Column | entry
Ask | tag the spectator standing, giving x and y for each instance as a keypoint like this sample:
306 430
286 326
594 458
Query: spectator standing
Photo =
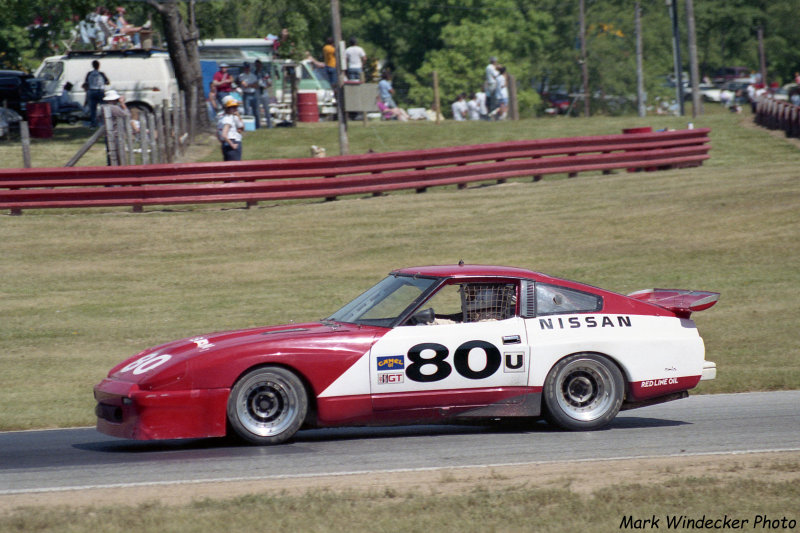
501 95
490 85
248 81
483 110
264 84
229 131
355 57
94 85
329 58
222 82
115 103
213 104
474 107
460 108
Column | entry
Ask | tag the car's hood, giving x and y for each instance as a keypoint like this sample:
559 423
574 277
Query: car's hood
222 349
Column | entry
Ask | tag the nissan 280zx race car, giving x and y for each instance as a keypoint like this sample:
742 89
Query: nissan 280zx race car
426 344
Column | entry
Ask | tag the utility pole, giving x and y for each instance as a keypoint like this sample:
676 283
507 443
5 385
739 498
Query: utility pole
640 97
694 70
336 22
584 66
676 52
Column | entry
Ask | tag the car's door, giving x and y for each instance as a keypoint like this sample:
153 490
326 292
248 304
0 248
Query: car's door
462 348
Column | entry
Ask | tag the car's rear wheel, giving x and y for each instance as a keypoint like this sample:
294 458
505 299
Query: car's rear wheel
583 392
267 405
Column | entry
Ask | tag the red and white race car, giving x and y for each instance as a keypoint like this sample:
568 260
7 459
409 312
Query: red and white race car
426 344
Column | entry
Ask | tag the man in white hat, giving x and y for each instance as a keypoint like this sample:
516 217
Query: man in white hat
114 105
229 131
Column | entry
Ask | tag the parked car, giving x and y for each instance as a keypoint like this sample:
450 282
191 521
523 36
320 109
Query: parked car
556 103
725 74
17 88
727 91
785 92
425 344
145 78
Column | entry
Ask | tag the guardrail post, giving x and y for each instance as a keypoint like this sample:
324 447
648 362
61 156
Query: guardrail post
376 173
572 174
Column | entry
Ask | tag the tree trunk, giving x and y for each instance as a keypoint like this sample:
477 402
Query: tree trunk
182 45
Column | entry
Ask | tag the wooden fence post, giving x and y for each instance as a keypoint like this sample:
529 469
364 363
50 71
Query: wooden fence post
152 136
165 118
111 146
512 97
25 137
176 125
161 138
144 138
126 139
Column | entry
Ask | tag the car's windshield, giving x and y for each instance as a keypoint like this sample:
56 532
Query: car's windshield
386 302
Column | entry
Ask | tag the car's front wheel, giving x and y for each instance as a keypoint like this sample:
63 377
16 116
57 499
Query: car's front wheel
583 392
267 405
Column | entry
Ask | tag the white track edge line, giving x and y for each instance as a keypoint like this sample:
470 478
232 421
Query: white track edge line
8 492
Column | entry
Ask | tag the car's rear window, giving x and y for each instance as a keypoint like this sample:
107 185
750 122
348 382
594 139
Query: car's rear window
554 300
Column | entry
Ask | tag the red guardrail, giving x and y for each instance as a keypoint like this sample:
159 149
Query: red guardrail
283 179
778 115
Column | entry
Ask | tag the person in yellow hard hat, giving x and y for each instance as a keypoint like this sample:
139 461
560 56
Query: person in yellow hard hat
229 131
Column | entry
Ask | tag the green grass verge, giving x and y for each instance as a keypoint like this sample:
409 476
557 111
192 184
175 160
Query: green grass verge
83 289
482 509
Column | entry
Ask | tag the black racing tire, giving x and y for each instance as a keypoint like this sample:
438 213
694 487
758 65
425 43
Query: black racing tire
267 405
583 392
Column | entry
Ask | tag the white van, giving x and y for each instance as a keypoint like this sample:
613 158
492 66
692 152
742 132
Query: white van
144 77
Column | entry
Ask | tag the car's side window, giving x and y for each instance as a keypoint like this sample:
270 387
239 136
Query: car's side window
553 300
468 302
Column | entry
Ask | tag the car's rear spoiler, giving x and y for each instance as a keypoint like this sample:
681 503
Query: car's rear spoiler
681 302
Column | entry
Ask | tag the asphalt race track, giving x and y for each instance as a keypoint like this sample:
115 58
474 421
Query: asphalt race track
54 460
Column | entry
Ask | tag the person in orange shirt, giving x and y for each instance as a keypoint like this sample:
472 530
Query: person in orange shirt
329 58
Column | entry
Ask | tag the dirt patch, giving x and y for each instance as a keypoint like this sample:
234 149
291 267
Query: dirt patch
578 476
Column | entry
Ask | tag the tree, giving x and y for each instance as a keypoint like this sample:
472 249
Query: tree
181 39
33 29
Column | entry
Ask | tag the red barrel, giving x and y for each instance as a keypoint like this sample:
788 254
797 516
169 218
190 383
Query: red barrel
40 122
307 110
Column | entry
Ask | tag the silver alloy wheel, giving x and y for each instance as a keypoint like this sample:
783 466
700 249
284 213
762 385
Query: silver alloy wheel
267 405
585 389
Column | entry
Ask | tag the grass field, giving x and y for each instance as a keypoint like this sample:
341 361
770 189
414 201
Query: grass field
83 289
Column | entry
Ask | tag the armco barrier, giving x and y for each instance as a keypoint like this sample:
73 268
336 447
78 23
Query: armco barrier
284 179
778 115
